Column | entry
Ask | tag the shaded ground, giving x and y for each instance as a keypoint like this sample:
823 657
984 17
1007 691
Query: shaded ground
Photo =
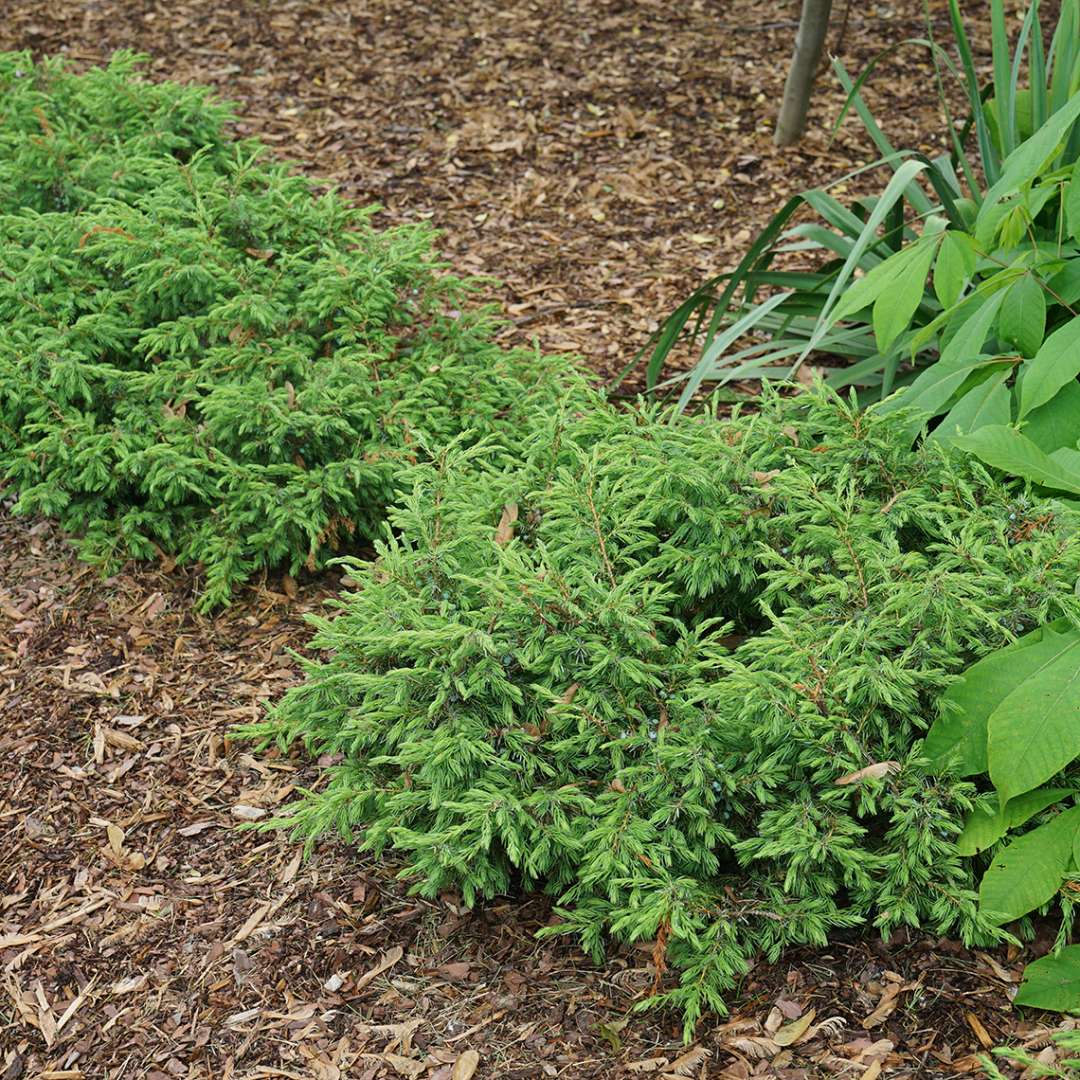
600 158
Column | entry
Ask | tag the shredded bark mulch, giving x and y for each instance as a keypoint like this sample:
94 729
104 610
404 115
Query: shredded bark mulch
600 158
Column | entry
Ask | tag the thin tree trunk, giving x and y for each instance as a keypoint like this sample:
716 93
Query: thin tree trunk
809 45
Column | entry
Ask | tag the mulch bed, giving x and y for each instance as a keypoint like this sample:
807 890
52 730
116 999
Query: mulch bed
600 158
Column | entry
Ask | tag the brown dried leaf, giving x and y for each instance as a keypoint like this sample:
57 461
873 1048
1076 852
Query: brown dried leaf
505 531
403 1066
647 1065
116 839
870 772
466 1066
688 1062
753 1046
791 1033
388 961
886 1006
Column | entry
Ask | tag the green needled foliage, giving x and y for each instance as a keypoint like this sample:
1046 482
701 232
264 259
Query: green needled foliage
677 674
200 356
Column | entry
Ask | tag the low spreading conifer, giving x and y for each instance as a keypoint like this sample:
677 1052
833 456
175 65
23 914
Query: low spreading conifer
677 675
203 358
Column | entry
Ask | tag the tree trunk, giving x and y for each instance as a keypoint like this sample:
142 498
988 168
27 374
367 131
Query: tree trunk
809 45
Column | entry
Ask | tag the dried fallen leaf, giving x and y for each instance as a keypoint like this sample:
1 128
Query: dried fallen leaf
388 961
129 985
886 1006
457 971
251 923
403 1066
829 1028
610 1031
791 1009
505 532
870 772
195 828
116 839
791 1033
647 1065
120 739
688 1062
466 1066
753 1046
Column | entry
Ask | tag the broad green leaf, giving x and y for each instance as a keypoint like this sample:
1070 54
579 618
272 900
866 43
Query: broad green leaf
954 267
958 735
1054 365
1071 200
1066 457
962 357
931 392
1030 157
969 339
894 308
1007 449
872 284
894 190
1066 282
1022 321
1057 423
990 224
982 829
1014 225
1052 982
949 323
1029 871
987 403
1035 731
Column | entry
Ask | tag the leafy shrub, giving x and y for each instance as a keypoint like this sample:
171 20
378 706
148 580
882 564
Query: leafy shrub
960 294
1013 716
201 357
677 674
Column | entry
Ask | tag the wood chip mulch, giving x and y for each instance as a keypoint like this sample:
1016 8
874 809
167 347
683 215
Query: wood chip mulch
600 158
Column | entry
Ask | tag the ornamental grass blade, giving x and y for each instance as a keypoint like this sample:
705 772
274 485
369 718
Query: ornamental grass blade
722 342
1004 96
894 190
